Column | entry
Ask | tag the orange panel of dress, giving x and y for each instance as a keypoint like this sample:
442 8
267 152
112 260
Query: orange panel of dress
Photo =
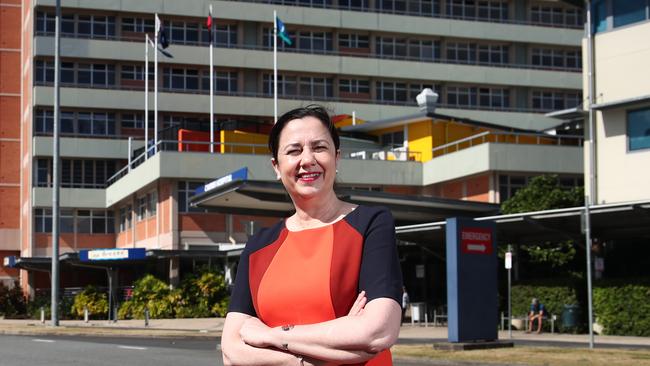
314 275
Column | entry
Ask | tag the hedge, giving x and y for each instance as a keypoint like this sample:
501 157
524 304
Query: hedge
623 308
553 295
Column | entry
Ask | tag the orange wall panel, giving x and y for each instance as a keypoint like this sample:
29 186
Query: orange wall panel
151 227
95 241
452 190
10 110
10 207
10 162
10 72
478 188
10 24
140 230
202 222
44 240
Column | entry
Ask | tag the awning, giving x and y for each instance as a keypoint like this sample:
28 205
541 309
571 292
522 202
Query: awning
270 199
630 220
622 103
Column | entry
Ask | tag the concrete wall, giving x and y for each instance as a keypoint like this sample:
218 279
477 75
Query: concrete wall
621 175
503 158
70 197
90 148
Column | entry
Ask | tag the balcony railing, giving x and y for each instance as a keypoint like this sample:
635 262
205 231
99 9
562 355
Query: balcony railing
507 138
438 60
395 154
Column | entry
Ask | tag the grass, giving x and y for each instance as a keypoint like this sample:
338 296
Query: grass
531 355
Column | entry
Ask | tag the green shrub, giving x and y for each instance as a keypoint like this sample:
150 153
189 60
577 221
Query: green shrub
34 307
623 308
153 294
95 301
203 294
12 301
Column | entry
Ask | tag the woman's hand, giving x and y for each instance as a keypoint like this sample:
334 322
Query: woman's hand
255 333
359 304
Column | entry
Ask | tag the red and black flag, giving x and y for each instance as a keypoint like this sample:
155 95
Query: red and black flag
208 24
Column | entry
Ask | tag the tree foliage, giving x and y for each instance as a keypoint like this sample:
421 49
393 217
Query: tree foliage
545 193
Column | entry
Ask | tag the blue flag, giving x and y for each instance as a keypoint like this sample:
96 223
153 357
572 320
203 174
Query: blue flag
282 31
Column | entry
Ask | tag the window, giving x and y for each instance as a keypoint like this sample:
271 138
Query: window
391 47
267 39
43 121
628 12
413 7
303 86
180 79
102 222
493 54
185 192
45 22
510 184
66 220
138 25
43 220
225 35
554 100
224 81
75 173
95 26
354 41
84 221
556 58
44 71
141 208
638 129
182 32
388 91
461 52
353 4
555 15
132 120
354 86
134 72
392 139
152 203
599 11
461 96
125 218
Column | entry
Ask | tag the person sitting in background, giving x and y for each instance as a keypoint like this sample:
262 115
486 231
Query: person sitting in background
536 312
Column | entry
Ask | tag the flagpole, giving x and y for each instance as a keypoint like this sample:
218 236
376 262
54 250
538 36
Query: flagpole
211 88
275 66
146 96
155 87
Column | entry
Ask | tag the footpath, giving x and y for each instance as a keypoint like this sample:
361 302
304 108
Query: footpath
210 328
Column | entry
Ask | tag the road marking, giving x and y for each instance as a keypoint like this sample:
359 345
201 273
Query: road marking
132 347
44 340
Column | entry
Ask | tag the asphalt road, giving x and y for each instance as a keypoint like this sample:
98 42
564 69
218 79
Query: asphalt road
88 351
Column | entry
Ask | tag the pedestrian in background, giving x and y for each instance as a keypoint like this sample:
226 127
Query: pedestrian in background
324 285
406 301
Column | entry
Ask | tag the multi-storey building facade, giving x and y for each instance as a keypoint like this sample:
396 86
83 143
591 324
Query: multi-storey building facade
501 62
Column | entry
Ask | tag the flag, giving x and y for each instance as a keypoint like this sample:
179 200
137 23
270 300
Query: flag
282 31
162 37
208 24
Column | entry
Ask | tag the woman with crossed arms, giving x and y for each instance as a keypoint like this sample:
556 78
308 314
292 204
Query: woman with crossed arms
323 286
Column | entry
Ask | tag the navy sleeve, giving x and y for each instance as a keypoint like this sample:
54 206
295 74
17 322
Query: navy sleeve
380 274
241 300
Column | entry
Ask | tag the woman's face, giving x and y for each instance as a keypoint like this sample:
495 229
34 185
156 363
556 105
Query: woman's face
307 158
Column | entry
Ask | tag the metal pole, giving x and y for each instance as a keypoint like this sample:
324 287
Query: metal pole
55 167
146 96
211 89
275 67
590 199
129 149
155 87
510 303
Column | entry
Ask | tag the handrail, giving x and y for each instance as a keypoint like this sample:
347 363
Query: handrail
516 135
300 97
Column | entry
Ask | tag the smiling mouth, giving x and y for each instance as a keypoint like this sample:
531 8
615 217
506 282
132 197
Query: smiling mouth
309 177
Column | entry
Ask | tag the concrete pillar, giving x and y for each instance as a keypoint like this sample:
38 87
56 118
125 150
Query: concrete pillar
174 272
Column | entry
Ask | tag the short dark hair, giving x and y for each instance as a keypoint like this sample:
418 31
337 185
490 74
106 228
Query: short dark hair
312 110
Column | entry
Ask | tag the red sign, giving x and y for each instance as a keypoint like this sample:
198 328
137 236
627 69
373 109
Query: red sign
476 240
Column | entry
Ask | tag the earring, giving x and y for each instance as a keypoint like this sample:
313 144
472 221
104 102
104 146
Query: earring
278 177
337 171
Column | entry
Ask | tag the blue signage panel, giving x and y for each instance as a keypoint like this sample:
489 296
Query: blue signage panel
9 261
472 303
112 254
241 174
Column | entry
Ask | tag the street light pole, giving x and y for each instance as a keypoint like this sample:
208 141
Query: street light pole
54 305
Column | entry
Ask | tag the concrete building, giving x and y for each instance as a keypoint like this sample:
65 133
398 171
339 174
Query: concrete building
501 62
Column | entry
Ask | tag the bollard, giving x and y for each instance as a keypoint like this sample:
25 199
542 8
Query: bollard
146 317
42 315
115 314
85 314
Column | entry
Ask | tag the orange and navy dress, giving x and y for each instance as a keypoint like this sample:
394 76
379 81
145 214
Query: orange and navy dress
314 275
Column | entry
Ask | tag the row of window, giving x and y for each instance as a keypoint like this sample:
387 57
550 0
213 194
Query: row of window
510 184
75 173
75 221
